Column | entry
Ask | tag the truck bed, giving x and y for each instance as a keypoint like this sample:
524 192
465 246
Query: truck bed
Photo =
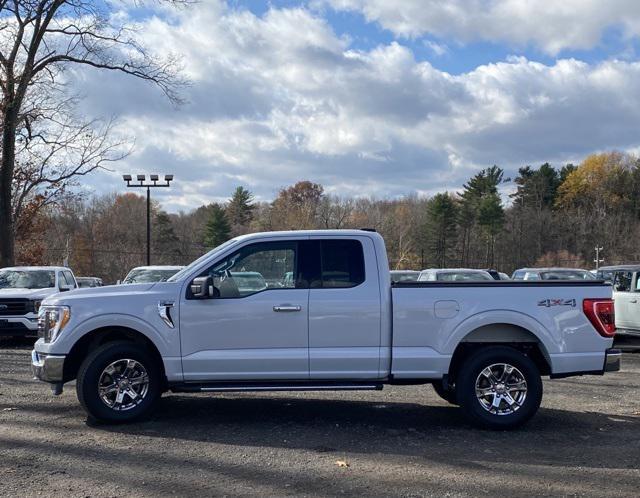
431 319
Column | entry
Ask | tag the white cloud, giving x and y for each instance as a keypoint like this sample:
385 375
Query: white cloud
280 98
550 25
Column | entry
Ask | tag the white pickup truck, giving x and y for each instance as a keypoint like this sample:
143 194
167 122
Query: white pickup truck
328 318
22 289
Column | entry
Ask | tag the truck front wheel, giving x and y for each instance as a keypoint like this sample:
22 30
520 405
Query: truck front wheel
499 388
118 382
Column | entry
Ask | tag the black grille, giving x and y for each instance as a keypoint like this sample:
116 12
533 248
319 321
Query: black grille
15 329
15 307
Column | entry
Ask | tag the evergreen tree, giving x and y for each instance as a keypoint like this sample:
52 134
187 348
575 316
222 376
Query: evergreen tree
441 227
491 221
166 244
217 229
479 201
240 208
536 188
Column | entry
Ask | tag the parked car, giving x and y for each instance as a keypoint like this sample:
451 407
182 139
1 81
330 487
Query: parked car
22 289
497 275
626 294
552 274
404 276
484 345
247 282
454 275
606 273
84 282
150 274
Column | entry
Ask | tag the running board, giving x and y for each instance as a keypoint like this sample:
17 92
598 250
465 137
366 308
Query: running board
189 387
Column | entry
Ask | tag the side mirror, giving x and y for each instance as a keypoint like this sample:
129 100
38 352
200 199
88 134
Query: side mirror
203 288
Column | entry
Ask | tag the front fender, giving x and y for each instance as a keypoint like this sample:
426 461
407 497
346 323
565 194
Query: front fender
165 339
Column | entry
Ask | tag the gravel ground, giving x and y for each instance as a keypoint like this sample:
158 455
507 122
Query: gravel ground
402 441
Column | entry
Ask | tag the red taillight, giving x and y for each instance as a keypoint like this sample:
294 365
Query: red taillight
601 315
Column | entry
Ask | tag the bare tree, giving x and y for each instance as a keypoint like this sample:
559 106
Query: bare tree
38 40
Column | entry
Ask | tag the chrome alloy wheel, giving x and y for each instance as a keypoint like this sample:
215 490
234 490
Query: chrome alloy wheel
501 389
123 384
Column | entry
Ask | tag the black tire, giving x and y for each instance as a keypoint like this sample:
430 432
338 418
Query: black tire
449 395
93 368
473 370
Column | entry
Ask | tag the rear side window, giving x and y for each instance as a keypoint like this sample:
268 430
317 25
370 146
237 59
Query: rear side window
335 264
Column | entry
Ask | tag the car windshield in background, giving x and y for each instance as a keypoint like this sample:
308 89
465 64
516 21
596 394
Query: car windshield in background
404 276
566 275
22 279
249 281
463 276
147 276
86 282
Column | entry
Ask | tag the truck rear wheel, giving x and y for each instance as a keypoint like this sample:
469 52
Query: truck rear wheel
118 382
499 388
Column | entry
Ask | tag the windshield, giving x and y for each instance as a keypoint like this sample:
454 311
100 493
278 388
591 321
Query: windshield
27 279
187 269
606 275
567 275
86 282
463 276
148 275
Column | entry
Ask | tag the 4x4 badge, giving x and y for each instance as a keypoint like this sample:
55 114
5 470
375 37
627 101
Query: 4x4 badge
557 302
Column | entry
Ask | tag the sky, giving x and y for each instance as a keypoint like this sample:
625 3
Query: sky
371 97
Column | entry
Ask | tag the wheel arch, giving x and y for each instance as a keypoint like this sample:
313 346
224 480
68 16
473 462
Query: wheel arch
501 334
103 335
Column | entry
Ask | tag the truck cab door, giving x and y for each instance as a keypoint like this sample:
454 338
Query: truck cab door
257 328
344 309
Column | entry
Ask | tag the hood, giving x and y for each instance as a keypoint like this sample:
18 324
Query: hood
28 293
106 291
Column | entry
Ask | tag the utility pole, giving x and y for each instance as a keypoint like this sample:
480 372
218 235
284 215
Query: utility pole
597 261
141 184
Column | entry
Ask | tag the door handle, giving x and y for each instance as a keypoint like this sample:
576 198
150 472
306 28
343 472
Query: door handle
633 301
287 308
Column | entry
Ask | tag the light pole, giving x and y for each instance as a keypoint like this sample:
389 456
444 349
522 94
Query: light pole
598 260
153 182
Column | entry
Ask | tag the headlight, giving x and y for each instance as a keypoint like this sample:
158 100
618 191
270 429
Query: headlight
51 321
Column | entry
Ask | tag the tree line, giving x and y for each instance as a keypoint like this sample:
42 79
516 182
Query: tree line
544 216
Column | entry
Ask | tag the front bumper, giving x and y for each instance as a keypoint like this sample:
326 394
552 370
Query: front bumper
612 360
19 326
48 368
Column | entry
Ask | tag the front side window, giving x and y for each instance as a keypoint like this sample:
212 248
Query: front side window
255 268
622 281
69 278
